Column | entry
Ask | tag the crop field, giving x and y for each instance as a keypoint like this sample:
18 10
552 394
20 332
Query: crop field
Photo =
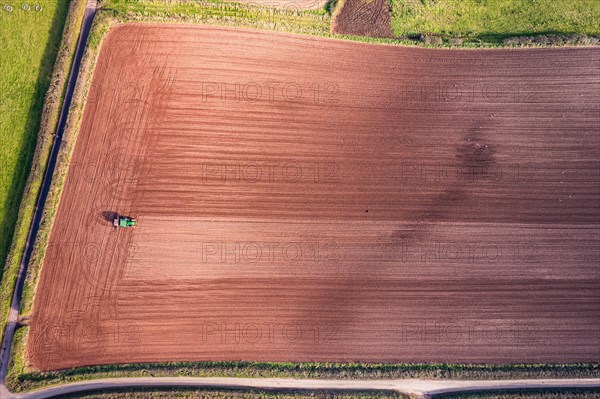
309 199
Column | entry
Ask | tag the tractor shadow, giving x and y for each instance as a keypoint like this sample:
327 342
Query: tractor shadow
109 216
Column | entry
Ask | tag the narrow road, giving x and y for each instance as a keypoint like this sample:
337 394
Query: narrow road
15 304
416 388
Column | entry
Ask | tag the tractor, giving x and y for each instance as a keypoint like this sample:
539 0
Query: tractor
124 221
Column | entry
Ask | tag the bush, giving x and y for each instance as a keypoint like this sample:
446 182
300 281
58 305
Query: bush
436 40
553 40
430 39
456 41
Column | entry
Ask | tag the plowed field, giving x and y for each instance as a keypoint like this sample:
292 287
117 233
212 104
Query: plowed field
307 199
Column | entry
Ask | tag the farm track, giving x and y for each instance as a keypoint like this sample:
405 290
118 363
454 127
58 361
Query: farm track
305 199
415 388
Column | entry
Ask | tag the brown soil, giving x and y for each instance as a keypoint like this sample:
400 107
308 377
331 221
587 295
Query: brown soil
364 18
306 199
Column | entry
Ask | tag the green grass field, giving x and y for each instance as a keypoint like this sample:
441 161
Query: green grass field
30 42
492 20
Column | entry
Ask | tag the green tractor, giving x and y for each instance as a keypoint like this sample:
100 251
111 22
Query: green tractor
124 221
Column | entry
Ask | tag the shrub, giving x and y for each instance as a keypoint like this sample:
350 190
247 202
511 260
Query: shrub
431 39
456 41
552 40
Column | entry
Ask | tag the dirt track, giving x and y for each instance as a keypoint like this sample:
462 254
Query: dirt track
308 199
415 388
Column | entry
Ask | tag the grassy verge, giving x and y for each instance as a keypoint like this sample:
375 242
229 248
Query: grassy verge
308 22
27 380
529 394
187 393
33 74
215 394
220 13
491 21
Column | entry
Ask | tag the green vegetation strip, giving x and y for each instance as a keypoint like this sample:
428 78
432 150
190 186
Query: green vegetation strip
528 394
252 394
27 380
22 378
493 20
221 13
186 393
191 393
33 73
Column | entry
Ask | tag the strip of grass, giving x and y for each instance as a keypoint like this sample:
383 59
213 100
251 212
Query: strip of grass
184 393
583 393
190 393
23 379
222 13
317 23
493 20
33 71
